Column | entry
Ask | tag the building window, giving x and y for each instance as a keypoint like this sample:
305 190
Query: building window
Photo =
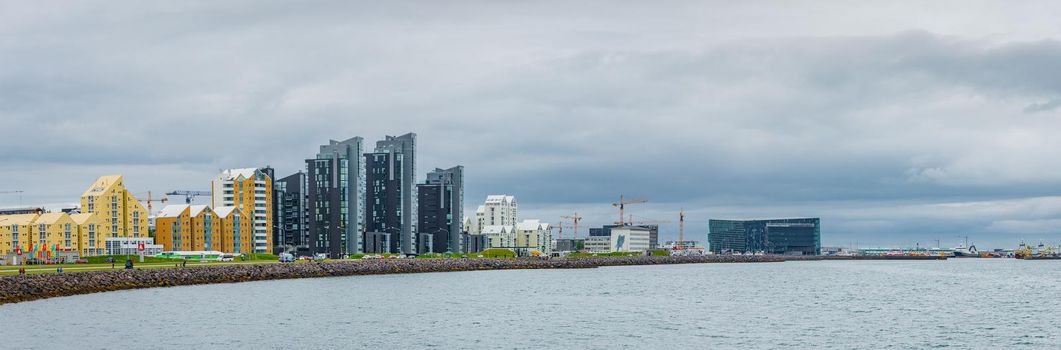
66 236
42 230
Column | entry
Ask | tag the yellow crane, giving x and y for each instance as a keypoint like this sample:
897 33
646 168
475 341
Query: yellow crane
622 206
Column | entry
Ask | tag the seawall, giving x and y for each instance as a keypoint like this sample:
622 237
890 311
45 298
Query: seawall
15 289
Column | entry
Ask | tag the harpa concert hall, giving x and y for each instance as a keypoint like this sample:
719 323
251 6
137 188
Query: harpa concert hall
776 236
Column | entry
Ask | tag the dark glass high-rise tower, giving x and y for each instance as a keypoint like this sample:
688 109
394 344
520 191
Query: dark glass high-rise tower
441 210
335 183
290 226
390 196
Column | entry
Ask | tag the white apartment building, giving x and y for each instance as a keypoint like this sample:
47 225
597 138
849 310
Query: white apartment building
498 210
524 238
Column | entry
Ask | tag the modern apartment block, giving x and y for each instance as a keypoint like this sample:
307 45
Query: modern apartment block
291 226
526 238
800 236
124 216
390 198
173 228
182 227
90 238
497 210
335 196
441 208
234 230
249 190
44 235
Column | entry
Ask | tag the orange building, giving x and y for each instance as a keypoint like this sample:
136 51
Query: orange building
234 230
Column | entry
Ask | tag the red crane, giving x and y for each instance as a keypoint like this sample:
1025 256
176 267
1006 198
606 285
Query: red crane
575 218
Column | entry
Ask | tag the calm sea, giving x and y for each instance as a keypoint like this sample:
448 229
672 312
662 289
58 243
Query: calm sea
959 304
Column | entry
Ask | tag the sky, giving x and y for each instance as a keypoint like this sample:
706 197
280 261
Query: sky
896 123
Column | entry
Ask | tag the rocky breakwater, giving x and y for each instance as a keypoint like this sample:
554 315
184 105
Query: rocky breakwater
32 287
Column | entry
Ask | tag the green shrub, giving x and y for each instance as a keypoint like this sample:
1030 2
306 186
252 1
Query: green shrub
498 253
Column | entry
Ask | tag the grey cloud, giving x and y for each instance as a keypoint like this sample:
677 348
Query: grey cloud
554 102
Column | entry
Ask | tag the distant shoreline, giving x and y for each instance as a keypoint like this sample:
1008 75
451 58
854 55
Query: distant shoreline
15 289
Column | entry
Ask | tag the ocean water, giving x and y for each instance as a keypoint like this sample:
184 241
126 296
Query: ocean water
954 304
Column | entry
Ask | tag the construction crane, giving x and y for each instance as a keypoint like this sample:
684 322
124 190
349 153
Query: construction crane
151 200
188 195
681 229
622 206
561 226
575 218
19 192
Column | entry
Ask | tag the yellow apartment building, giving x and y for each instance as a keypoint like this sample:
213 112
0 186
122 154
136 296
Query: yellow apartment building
173 228
234 230
15 231
54 230
122 214
90 239
204 227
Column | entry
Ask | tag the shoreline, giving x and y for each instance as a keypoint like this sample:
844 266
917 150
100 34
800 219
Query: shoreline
14 289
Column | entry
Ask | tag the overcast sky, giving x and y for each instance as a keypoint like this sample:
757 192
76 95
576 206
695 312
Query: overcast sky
895 122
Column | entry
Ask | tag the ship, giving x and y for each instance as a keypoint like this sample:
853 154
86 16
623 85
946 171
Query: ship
965 250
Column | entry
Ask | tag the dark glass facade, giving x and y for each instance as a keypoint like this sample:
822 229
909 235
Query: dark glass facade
334 198
441 206
778 236
291 228
383 198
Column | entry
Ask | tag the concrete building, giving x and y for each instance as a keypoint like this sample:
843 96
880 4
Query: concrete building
801 236
390 198
377 242
123 214
653 231
441 210
335 199
630 239
497 210
598 244
90 238
131 246
473 243
249 190
291 226
569 244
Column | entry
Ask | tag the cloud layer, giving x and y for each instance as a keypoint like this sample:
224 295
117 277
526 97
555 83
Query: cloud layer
893 122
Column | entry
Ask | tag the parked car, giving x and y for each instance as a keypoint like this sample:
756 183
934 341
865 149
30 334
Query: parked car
81 261
287 257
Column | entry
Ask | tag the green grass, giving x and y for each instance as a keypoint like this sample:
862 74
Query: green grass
259 257
494 253
575 255
120 259
660 252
